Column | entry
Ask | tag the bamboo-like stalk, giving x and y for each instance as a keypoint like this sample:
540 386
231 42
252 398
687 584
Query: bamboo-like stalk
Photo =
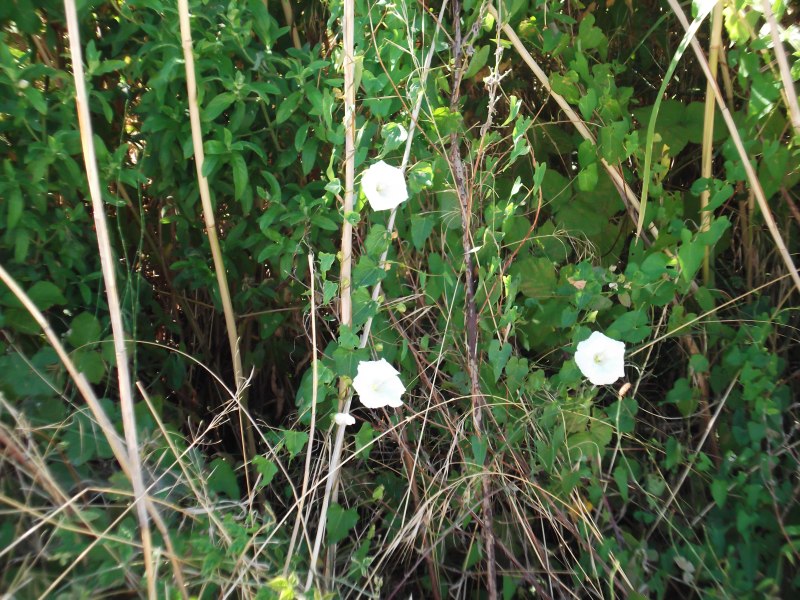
783 66
626 193
213 240
752 176
288 15
109 279
309 450
708 130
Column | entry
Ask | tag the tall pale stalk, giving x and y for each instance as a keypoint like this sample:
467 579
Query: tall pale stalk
211 230
110 281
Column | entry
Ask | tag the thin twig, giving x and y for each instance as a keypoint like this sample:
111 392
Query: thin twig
109 278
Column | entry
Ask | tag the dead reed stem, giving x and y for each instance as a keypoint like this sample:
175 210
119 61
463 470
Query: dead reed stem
626 193
110 281
245 428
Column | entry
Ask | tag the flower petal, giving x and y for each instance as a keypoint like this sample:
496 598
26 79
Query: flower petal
384 186
601 359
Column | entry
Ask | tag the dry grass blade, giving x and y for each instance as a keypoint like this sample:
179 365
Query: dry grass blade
109 278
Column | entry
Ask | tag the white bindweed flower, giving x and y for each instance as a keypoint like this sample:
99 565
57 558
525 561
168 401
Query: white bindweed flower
384 186
378 385
344 419
601 359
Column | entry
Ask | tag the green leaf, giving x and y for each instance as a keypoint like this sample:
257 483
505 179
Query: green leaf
240 176
84 329
287 107
266 468
364 439
421 228
216 107
719 491
393 135
295 441
621 477
479 449
630 327
16 204
340 522
587 178
325 262
45 294
588 103
589 35
498 357
478 61
222 479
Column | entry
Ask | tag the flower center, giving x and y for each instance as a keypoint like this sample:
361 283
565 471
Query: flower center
379 188
599 358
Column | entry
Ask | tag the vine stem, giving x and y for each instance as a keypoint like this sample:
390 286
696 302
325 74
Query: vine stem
347 393
245 428
112 294
465 199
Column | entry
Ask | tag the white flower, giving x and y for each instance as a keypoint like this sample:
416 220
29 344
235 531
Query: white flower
344 419
601 359
384 186
378 385
23 84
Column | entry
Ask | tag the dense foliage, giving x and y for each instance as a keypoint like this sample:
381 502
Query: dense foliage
679 481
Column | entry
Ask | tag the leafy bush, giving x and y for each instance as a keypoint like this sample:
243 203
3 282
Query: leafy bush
506 472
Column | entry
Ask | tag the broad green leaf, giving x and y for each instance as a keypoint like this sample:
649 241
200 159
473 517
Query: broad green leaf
240 177
266 468
218 105
478 61
45 294
498 357
340 522
295 441
84 329
222 479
